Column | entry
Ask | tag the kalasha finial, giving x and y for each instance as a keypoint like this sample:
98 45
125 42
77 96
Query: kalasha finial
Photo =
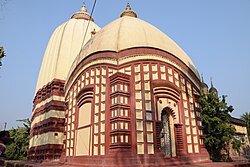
128 12
83 9
128 8
82 14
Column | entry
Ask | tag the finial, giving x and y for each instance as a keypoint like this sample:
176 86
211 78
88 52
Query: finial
83 8
213 89
128 8
128 12
82 14
204 87
202 80
211 82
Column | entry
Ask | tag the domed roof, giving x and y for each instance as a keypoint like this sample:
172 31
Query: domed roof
203 84
130 32
63 47
213 89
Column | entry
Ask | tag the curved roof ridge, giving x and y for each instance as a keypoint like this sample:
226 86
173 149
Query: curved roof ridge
60 52
125 30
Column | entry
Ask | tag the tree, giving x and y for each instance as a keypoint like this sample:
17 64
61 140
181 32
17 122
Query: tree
18 147
237 143
216 122
246 117
26 123
2 54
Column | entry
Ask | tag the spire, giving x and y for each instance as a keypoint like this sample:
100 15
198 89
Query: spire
82 14
202 80
128 12
212 86
213 89
204 87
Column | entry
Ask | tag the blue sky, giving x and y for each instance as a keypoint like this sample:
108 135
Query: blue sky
215 34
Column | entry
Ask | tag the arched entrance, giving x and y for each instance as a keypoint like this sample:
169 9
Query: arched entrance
167 133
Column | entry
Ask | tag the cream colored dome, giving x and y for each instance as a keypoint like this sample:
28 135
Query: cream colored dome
63 47
131 32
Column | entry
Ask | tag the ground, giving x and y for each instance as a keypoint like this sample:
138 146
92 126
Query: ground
212 164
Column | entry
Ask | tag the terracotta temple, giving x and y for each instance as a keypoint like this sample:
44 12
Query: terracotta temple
122 95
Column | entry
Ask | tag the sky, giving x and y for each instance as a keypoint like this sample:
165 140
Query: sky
215 34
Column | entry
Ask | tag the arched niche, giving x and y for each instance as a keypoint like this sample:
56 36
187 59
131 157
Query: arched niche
167 135
167 95
84 125
166 99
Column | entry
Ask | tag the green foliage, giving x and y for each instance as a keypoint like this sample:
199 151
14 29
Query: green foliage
216 121
18 147
2 54
26 123
246 117
237 143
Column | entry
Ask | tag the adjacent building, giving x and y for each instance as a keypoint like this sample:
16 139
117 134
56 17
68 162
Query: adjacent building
240 131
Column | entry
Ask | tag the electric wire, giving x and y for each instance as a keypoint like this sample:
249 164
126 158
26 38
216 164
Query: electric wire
80 137
92 10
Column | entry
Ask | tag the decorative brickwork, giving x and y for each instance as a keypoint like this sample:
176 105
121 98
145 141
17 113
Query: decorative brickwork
120 132
44 124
